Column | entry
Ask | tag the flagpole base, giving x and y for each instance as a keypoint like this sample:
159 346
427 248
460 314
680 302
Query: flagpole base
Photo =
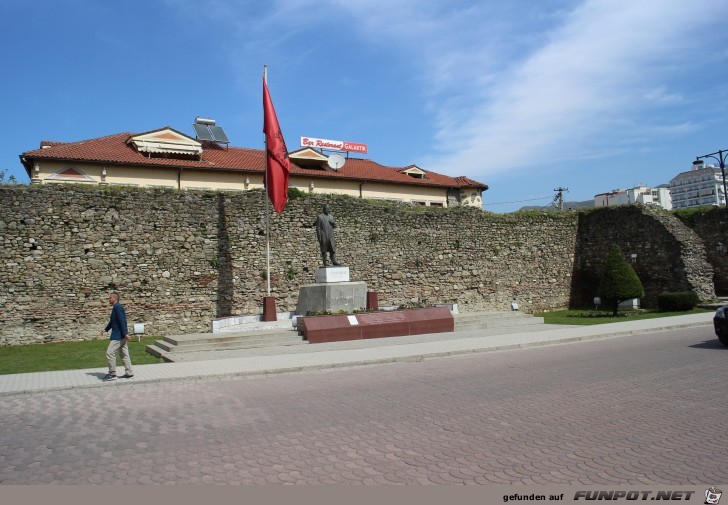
372 300
269 308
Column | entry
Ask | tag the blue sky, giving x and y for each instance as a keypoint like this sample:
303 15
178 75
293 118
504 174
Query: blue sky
524 96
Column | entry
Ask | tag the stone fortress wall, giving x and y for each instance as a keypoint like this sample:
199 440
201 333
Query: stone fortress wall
182 259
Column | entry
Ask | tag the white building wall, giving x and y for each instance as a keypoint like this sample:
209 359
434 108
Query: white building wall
644 195
662 197
697 187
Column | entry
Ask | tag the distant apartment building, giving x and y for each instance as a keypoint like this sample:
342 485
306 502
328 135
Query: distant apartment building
702 185
639 194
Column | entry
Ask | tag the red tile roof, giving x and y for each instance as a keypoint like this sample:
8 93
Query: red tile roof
114 149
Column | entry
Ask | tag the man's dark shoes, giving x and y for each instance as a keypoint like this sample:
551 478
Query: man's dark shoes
127 376
109 377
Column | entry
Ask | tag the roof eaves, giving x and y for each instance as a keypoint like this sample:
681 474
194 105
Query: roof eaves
131 136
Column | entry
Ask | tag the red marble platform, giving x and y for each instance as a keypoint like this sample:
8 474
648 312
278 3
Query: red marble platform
396 323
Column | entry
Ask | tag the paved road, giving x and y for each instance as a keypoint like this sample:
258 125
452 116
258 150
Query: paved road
637 409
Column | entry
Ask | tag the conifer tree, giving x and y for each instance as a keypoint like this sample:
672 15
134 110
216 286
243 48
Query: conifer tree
619 281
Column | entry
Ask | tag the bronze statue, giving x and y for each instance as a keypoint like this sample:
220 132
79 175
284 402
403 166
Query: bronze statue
325 225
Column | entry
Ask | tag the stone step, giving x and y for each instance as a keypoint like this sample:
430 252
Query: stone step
196 338
519 322
252 341
287 323
510 315
357 344
171 356
250 323
280 333
198 342
284 324
506 330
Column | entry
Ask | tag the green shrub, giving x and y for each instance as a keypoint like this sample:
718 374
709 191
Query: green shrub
619 281
294 193
677 302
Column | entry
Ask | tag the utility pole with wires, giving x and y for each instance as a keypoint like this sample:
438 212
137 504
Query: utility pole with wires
559 198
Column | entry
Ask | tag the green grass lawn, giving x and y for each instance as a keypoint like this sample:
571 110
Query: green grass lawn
586 316
69 356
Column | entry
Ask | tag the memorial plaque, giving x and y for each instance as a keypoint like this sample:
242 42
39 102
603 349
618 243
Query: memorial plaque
332 274
390 316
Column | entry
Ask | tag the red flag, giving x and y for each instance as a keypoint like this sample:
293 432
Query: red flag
277 165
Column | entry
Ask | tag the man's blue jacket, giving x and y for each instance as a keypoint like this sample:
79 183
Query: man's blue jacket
117 323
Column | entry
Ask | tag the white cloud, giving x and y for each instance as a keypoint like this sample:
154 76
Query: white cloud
594 70
517 84
513 85
661 95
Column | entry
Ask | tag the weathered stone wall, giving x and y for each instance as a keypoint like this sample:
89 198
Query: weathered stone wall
407 254
711 225
64 249
670 256
182 259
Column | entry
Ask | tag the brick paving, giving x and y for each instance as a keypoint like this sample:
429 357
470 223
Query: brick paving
640 409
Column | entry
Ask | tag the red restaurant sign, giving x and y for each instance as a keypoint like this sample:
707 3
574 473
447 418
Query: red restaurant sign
333 144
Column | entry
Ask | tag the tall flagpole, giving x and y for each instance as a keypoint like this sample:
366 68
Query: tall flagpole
267 203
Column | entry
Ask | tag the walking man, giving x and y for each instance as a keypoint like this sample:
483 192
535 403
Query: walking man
119 340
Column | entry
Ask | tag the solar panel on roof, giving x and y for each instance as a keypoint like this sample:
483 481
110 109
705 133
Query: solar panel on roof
219 135
203 132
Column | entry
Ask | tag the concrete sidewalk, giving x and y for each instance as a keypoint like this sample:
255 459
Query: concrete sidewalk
286 359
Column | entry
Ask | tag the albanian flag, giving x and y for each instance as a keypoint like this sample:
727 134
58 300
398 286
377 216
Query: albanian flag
277 165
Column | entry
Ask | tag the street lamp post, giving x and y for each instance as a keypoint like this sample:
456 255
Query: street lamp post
721 159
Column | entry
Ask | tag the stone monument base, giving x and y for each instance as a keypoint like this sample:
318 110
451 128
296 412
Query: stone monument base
376 325
333 297
332 274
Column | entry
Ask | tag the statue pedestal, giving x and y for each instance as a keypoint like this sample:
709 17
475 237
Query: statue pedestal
332 274
332 296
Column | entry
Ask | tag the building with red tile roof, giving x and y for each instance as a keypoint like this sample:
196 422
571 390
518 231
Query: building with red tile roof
169 158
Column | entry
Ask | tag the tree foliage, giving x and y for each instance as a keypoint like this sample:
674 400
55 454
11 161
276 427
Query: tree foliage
619 281
8 180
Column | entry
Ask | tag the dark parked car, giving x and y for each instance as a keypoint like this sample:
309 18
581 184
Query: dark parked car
721 324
